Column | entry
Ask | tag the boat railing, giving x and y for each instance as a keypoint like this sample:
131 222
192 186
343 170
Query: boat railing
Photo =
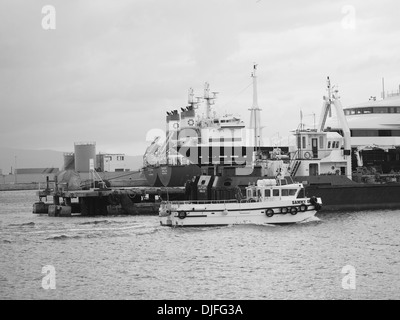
200 201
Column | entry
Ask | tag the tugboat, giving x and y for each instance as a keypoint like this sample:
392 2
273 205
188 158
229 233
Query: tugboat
270 201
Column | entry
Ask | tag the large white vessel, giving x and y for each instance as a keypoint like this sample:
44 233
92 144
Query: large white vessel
269 202
375 132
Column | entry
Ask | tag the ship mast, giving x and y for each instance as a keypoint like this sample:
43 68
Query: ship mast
190 97
255 112
209 100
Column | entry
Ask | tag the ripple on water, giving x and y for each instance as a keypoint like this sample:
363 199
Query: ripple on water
134 257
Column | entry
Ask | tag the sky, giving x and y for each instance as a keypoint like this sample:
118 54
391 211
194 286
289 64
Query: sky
107 71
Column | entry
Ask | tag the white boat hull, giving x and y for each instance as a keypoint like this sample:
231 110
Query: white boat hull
186 214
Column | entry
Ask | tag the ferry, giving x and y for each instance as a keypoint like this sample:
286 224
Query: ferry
270 201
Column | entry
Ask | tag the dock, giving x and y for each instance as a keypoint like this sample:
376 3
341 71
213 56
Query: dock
102 200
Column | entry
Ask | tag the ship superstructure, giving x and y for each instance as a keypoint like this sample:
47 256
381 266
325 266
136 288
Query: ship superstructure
198 139
375 133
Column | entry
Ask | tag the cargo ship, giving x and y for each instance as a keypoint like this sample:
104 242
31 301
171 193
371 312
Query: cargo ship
197 140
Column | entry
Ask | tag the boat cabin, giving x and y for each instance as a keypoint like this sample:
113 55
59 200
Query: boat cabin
274 189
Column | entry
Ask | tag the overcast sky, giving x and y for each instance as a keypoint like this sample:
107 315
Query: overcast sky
110 69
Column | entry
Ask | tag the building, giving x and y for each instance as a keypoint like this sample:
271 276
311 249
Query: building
110 162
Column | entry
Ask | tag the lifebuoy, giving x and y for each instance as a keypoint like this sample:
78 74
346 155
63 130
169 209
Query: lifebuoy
190 122
307 155
182 215
284 210
315 203
176 125
303 208
293 211
269 213
313 200
132 195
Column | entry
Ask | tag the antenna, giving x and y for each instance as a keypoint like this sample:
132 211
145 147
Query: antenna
209 100
383 88
190 96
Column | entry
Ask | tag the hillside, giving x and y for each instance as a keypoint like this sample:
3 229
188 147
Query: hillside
45 159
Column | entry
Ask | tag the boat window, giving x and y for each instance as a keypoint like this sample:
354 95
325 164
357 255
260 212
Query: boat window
254 193
267 193
368 110
301 194
292 192
321 142
304 142
329 144
285 192
275 192
259 193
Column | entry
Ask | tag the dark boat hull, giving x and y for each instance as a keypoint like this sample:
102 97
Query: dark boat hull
357 197
177 176
152 176
337 192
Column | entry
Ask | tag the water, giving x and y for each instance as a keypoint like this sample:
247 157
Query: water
133 257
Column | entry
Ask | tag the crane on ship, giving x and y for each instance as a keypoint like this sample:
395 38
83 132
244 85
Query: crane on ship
333 98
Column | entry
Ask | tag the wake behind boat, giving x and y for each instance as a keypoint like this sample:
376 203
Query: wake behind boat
271 201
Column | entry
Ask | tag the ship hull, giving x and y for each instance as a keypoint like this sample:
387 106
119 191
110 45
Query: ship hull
152 176
211 213
337 192
357 197
177 176
341 193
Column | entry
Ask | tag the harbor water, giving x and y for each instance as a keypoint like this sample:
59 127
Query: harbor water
342 255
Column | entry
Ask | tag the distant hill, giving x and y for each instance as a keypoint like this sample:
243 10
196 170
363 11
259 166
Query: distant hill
45 159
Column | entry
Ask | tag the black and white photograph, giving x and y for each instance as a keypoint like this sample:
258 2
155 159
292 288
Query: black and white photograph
199 155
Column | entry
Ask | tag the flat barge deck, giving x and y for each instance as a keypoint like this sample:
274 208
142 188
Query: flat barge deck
104 201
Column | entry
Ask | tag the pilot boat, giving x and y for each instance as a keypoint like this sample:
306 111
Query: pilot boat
269 201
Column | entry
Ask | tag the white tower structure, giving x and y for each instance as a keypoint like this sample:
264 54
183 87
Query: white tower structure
255 116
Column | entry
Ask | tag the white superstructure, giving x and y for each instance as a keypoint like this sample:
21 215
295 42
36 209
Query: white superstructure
199 126
373 123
